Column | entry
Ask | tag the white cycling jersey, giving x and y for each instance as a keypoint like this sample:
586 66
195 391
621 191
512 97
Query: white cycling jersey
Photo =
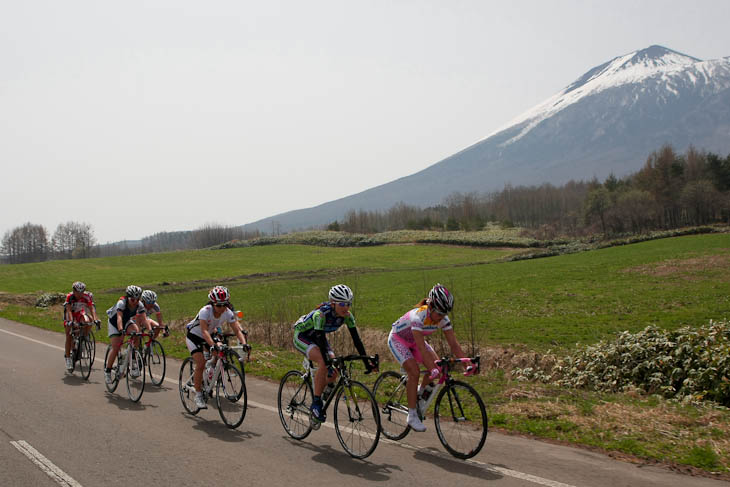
418 319
206 313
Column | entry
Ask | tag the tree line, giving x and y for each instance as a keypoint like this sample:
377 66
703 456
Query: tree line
671 190
73 240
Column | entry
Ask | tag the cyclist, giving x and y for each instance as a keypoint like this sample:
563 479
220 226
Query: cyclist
408 346
78 303
149 301
127 315
199 339
310 339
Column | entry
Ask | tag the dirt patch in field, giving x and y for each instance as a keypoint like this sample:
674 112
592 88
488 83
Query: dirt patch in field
17 299
688 269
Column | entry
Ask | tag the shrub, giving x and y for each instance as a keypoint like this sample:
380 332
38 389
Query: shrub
688 363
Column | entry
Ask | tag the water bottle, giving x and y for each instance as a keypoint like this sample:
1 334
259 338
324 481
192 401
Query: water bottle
327 391
427 391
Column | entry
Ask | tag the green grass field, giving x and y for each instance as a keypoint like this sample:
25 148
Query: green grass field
540 303
530 305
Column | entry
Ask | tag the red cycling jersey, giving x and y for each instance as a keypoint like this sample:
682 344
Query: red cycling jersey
79 306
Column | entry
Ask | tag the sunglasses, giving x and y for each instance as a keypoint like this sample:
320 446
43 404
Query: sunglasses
219 305
344 304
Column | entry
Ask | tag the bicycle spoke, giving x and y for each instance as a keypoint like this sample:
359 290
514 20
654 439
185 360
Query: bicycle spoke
185 386
231 396
461 420
294 400
390 393
356 420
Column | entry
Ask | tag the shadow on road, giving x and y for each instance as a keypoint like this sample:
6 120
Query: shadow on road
345 464
75 380
454 465
123 402
153 389
216 429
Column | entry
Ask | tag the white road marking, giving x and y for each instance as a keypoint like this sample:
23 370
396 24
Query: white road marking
58 475
492 468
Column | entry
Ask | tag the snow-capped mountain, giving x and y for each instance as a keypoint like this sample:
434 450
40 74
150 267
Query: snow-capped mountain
607 121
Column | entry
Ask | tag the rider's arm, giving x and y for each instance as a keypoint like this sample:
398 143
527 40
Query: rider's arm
206 334
454 343
236 327
421 344
120 317
66 312
158 315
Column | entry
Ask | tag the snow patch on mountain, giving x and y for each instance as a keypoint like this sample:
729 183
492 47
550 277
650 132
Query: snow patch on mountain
674 70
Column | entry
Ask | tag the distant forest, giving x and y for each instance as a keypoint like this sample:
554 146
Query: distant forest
672 190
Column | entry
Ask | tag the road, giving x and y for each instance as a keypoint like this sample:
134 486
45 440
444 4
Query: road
56 429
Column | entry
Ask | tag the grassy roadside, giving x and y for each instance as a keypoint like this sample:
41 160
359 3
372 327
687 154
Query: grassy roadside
518 309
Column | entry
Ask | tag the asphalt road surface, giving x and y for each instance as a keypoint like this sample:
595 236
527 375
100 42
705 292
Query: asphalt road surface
57 429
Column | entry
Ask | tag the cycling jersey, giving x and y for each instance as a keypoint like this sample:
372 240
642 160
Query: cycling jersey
310 330
206 313
127 312
79 305
322 318
418 319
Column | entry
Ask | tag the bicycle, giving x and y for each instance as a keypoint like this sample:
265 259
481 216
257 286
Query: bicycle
356 417
154 356
80 351
129 364
459 414
228 381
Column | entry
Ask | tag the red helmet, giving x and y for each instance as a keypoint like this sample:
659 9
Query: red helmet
219 294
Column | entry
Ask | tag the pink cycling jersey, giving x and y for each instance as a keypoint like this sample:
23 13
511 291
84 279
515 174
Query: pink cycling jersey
418 319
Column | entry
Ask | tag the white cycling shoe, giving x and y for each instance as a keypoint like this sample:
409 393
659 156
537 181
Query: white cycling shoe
415 423
69 363
199 403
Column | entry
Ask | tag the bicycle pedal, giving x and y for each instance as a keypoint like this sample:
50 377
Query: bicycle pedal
315 424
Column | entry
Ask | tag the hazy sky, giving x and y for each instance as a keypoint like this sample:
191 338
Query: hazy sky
139 117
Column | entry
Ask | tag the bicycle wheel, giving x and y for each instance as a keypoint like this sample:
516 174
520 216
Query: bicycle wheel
156 363
74 355
231 396
92 341
390 392
135 374
84 356
357 421
461 420
294 400
185 384
114 372
234 359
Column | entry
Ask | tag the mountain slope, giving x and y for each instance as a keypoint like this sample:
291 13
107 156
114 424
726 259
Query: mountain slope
607 121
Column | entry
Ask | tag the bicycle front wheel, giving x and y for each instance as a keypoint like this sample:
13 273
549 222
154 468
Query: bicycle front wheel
85 359
135 374
461 420
186 386
231 396
156 363
92 342
357 421
114 371
294 401
390 392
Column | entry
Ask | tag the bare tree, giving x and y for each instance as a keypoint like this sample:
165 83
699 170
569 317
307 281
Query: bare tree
27 243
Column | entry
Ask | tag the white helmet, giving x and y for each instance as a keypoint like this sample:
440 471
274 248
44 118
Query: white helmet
341 294
79 286
441 299
149 297
133 291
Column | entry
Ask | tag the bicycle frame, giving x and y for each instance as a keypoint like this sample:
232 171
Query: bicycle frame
445 365
340 364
